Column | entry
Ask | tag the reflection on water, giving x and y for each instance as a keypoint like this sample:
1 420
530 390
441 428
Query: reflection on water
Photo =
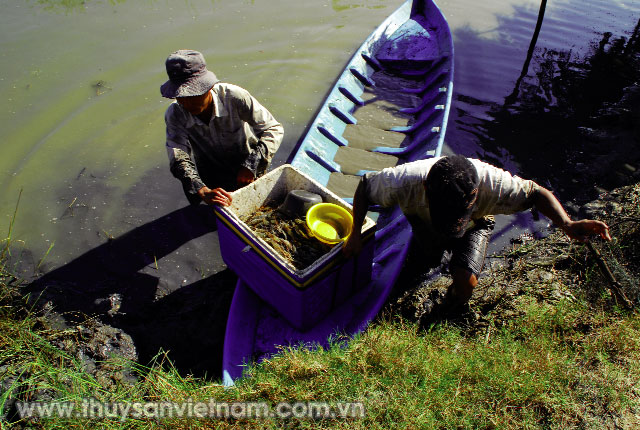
547 124
532 46
490 60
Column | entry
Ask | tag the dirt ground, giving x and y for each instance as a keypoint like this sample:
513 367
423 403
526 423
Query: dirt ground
549 269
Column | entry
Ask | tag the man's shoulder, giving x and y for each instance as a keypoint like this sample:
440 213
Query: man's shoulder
225 89
482 166
407 176
174 113
414 170
419 169
492 176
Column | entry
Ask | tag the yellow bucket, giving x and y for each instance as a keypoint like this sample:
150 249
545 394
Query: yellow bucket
329 222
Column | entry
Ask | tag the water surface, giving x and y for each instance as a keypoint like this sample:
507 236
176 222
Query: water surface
82 131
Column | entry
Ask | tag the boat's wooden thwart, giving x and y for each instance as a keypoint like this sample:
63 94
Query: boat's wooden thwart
389 106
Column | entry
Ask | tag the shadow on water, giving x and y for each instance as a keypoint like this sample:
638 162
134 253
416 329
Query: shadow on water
107 281
566 124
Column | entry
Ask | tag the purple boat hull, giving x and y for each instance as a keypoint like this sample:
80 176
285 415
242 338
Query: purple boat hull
302 296
413 45
256 330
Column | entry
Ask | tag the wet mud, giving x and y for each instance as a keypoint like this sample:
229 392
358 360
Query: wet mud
546 270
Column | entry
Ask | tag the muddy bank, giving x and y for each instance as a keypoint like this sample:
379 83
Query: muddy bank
547 270
189 323
154 284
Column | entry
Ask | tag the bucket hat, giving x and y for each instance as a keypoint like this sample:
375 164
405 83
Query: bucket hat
188 75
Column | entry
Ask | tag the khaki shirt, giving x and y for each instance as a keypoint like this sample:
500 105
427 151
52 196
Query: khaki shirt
499 192
240 128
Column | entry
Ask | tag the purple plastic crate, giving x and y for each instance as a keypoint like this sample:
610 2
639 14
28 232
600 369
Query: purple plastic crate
302 297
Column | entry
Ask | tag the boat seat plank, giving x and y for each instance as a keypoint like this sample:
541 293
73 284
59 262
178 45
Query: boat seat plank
381 114
366 137
353 160
392 81
395 97
343 185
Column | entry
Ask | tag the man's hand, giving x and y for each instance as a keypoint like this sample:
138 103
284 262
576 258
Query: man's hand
245 176
582 230
217 196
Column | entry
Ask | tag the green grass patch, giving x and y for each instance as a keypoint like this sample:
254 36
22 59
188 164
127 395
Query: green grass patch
525 375
556 366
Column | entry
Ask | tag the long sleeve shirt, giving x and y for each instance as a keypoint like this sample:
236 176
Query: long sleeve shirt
241 132
499 192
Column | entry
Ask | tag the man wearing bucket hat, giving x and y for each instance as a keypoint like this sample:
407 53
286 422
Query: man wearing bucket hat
449 202
219 137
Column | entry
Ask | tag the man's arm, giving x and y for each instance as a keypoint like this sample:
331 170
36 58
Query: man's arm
215 196
582 230
503 193
183 167
250 167
269 131
360 207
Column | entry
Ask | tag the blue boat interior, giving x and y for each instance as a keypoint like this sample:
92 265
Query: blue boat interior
389 106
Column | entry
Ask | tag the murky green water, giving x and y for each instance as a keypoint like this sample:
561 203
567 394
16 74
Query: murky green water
81 126
82 123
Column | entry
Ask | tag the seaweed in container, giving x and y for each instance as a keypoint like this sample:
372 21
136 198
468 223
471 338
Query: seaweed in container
288 236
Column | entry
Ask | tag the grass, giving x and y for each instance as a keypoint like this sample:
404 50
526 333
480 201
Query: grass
5 252
538 371
545 369
572 362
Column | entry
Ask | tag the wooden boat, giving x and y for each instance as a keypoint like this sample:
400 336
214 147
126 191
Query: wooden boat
389 106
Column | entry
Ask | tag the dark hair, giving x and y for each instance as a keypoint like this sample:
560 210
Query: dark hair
451 186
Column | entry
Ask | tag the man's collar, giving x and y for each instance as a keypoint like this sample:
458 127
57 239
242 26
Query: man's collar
218 107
